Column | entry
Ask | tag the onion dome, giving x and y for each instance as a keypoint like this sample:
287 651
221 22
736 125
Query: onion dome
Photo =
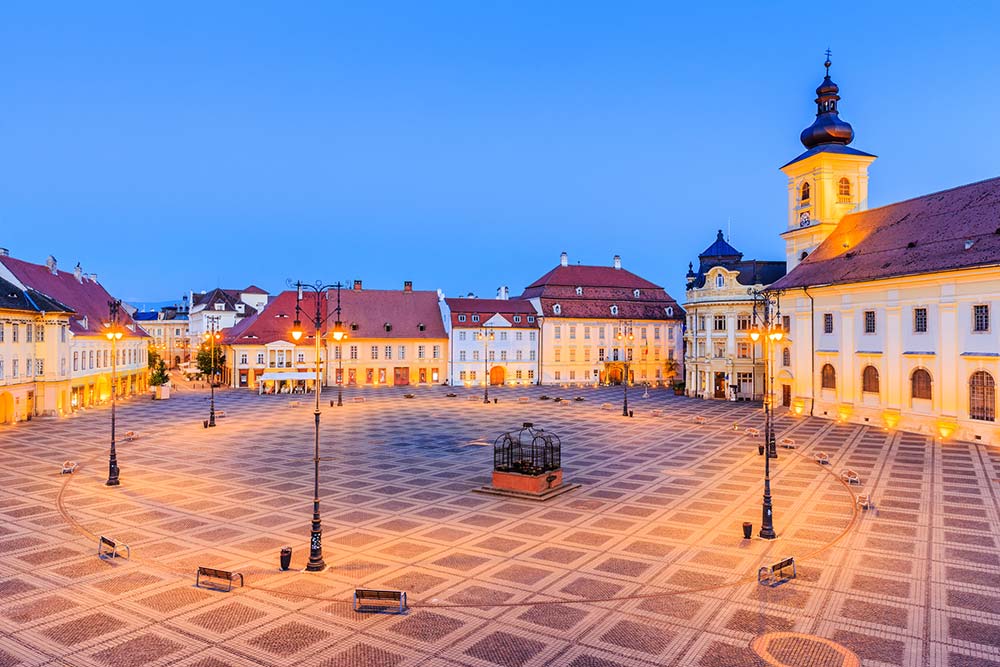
828 128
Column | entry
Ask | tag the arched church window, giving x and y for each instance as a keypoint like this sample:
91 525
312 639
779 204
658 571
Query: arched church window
804 192
844 188
720 280
803 255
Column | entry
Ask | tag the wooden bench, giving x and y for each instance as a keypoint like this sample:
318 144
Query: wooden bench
110 546
473 398
753 432
220 414
822 458
777 573
864 501
68 468
359 399
657 413
213 573
606 406
130 436
294 404
373 594
788 443
850 476
699 420
522 399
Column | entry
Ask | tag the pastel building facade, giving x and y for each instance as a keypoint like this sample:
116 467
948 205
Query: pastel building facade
169 333
393 338
70 356
604 324
721 361
221 309
492 341
891 311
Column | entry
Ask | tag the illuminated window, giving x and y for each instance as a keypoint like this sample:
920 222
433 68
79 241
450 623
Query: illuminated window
353 352
786 357
743 322
828 323
844 188
982 396
920 320
869 321
869 380
980 319
804 192
920 384
720 280
829 377
719 323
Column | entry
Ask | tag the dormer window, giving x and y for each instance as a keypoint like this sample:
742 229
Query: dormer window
579 291
461 318
720 281
517 319
636 293
354 326
556 309
475 318
240 308
804 192
220 306
670 311
614 310
387 326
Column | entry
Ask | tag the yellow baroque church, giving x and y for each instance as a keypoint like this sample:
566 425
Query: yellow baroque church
890 311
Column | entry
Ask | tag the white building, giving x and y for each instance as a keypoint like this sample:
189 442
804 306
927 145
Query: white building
492 340
891 310
223 308
721 361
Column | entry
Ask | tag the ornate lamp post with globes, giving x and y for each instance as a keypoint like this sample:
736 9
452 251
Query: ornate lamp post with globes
114 334
213 335
767 325
316 562
625 334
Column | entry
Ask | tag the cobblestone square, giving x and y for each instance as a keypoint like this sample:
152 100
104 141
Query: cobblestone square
643 565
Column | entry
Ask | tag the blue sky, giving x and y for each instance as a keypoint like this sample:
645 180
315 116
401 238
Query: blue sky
459 145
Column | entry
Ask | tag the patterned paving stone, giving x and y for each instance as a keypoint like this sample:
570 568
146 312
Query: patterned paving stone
505 649
289 638
138 651
426 626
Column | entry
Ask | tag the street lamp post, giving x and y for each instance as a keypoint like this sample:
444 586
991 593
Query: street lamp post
114 334
625 333
213 336
486 338
767 324
316 562
339 335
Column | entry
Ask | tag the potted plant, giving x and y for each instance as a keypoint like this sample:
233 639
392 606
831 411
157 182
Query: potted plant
678 389
160 381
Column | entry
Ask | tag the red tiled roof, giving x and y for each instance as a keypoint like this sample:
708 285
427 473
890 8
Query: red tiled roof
253 289
487 308
364 313
634 309
922 235
88 298
591 276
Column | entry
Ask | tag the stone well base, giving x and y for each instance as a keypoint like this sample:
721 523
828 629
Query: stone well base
530 487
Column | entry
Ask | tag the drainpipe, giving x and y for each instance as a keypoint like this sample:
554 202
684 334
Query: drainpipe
812 348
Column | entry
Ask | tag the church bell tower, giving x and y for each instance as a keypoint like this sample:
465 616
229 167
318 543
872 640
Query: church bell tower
827 181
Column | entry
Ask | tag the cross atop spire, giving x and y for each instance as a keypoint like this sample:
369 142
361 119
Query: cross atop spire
827 63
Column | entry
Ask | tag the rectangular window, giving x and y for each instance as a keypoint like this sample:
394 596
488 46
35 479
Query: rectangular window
475 318
374 352
13 333
27 367
503 355
62 334
720 350
743 350
920 320
719 323
656 333
786 323
472 375
572 354
558 375
557 332
531 318
493 355
13 367
353 352
336 354
436 351
260 358
461 376
388 352
28 330
421 351
1 369
572 332
600 354
517 319
461 335
461 318
76 361
586 354
243 358
402 353
531 335
642 333
39 367
828 323
518 335
531 375
586 333
2 327
572 375
742 322
461 355
670 354
531 355
519 355
980 318
869 321
475 355
301 358
518 374
503 335
40 331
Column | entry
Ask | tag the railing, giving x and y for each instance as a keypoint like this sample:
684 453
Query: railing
529 451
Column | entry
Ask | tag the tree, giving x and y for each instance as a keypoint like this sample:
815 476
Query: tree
204 360
153 358
671 368
159 376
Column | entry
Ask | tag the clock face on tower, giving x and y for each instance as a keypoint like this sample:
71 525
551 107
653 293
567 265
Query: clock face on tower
804 220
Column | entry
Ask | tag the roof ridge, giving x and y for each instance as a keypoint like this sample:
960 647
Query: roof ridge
926 196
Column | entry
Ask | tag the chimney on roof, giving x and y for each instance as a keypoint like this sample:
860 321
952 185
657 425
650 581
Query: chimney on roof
503 293
357 285
618 262
4 252
78 273
50 262
564 259
93 277
407 285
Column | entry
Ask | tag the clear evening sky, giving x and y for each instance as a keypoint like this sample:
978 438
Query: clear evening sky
461 145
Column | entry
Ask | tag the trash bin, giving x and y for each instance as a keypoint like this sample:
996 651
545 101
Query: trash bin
631 413
205 424
760 450
747 530
286 557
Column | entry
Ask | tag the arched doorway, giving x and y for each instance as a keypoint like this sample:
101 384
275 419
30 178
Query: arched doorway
497 374
6 408
616 373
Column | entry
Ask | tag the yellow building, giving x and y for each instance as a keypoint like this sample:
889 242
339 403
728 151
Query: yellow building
393 337
890 311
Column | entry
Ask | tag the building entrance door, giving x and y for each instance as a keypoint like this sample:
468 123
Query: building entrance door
401 376
720 385
497 374
786 395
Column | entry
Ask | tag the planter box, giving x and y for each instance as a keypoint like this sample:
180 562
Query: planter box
161 393
534 484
